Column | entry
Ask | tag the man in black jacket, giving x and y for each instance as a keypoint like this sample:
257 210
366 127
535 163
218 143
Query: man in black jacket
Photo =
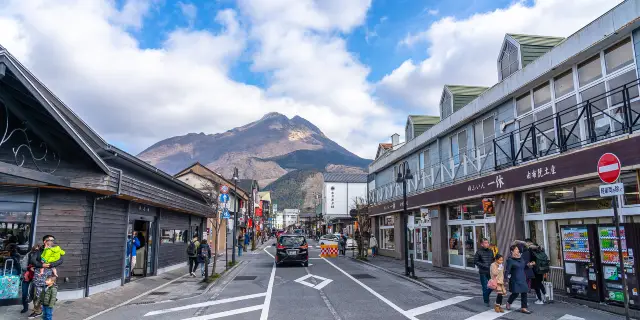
39 278
483 260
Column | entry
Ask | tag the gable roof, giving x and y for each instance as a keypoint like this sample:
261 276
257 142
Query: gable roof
382 148
428 120
465 90
345 177
534 40
200 170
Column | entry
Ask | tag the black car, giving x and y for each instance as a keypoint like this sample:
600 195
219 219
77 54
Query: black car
292 248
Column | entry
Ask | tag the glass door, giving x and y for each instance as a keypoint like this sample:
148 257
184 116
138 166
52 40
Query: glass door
469 245
150 269
418 241
426 243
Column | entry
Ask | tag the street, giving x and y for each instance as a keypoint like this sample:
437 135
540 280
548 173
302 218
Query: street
332 288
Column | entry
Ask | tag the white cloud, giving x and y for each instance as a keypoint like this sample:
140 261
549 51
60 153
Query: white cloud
134 97
189 10
433 12
464 51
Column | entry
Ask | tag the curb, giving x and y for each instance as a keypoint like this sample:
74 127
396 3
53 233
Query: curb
420 283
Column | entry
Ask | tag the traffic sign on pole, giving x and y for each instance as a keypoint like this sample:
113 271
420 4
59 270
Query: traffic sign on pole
609 168
224 189
225 214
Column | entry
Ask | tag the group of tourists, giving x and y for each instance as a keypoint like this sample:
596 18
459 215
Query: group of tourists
199 253
525 269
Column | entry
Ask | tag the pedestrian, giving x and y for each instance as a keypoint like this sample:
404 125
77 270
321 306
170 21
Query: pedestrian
482 260
39 279
27 278
204 255
497 276
240 243
525 248
540 269
517 278
51 255
247 239
343 241
133 245
192 253
373 244
48 298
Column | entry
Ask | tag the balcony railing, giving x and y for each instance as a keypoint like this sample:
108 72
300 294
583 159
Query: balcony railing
582 124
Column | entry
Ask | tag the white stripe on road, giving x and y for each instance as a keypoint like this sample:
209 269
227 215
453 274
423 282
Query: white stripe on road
609 167
436 305
226 313
379 296
265 250
570 317
206 304
267 299
492 314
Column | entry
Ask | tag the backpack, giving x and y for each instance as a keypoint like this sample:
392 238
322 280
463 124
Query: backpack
542 262
191 249
203 251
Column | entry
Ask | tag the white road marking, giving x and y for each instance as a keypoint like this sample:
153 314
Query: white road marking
226 313
570 317
267 299
488 315
436 305
379 296
318 286
265 250
136 297
205 304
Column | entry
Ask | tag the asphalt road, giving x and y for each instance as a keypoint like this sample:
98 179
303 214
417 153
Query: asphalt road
333 288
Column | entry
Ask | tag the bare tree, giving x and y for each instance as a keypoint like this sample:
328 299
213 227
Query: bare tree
361 212
210 193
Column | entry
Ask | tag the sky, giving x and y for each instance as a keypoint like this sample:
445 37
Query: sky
139 71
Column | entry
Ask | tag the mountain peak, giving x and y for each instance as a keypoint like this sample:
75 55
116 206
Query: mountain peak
274 115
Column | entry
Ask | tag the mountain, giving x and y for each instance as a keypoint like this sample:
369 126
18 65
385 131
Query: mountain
281 153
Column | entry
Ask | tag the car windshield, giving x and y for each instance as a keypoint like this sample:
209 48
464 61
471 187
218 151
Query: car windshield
292 241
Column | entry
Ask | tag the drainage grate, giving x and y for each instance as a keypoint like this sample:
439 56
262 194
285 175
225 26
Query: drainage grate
159 293
363 276
245 278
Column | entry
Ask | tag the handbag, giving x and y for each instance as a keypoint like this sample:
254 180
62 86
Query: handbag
492 284
9 283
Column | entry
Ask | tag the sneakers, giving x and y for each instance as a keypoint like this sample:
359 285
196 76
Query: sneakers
539 302
35 315
24 310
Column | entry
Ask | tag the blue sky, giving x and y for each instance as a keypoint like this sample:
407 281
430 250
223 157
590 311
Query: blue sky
140 71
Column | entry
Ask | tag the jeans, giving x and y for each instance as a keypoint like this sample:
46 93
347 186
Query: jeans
484 279
239 251
539 287
47 313
373 251
202 266
193 264
25 295
37 306
523 299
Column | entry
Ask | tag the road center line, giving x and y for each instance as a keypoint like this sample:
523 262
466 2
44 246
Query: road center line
205 304
267 299
436 305
226 313
332 310
379 296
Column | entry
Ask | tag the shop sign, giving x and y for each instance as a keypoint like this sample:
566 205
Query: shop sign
411 223
496 182
541 172
610 190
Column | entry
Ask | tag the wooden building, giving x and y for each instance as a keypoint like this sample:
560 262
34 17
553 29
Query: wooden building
59 177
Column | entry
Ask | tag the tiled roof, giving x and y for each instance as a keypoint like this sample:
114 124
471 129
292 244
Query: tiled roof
345 177
466 90
534 40
386 146
424 119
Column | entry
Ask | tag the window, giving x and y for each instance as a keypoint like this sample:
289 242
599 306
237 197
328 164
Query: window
387 239
458 146
469 210
563 84
173 236
523 104
423 160
446 107
596 96
631 195
582 196
455 246
621 80
589 71
509 61
532 202
541 95
618 56
559 199
568 103
484 132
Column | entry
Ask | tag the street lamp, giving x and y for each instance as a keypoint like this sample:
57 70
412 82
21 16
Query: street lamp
235 214
404 174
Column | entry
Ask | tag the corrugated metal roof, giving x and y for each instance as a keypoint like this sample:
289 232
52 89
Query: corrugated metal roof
345 177
533 40
466 90
424 119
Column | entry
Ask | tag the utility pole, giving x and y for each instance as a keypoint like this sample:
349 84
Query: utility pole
235 215
404 174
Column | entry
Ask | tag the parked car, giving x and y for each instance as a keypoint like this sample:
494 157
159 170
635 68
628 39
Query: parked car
334 239
292 248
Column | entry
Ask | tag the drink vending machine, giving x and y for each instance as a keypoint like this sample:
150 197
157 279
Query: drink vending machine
581 261
613 286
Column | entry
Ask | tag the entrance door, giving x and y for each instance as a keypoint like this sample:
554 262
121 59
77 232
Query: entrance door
128 267
418 241
426 243
469 245
150 261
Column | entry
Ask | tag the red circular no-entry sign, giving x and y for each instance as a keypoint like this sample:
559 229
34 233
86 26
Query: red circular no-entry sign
609 168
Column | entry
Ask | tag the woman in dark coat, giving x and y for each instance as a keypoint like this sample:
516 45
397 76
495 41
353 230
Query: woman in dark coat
517 278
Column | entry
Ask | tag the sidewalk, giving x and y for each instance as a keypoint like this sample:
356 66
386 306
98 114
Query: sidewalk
467 282
172 285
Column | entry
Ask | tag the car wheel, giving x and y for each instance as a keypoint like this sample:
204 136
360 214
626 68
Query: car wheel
306 263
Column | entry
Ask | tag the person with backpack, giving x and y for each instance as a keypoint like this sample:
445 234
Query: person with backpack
204 255
540 269
192 253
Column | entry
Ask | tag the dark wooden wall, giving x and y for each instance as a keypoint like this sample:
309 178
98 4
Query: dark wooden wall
509 223
108 240
172 253
66 215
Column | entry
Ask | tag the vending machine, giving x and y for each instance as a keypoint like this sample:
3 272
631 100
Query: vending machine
613 287
581 261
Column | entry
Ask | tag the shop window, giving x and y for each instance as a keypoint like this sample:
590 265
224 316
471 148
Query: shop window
15 232
173 236
588 197
563 84
541 95
559 199
388 239
589 71
535 232
455 246
584 196
618 56
454 213
523 104
631 195
532 202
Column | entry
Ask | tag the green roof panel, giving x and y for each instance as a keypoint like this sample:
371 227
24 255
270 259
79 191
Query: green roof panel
533 40
428 120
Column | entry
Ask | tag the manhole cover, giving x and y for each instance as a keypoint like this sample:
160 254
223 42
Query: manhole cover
245 278
363 276
158 293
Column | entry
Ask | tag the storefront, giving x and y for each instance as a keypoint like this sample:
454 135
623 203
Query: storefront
423 236
468 223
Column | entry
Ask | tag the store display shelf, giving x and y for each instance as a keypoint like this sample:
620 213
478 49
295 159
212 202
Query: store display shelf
577 260
575 239
611 238
576 250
